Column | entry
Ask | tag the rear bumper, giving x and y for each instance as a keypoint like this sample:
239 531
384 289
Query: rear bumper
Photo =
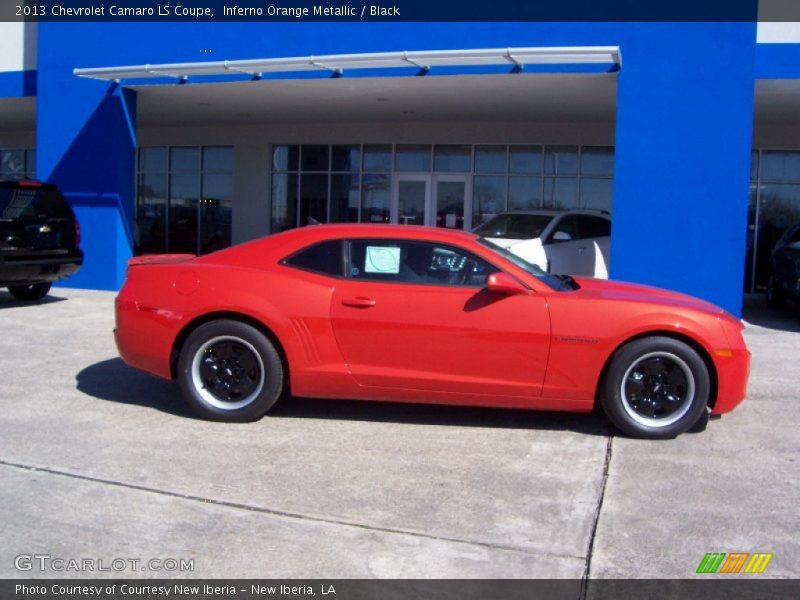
143 338
24 271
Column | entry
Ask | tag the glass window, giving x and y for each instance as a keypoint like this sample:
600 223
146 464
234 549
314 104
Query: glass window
593 227
27 204
313 199
215 212
488 197
30 164
452 159
345 197
284 201
566 230
597 161
793 238
561 160
780 166
524 193
184 159
152 159
184 195
754 165
375 193
184 199
285 158
515 226
411 196
413 157
561 193
150 233
596 193
326 258
418 263
525 159
377 158
346 158
12 163
490 159
314 158
218 158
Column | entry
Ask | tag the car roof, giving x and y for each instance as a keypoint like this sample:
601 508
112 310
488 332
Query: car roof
366 230
550 212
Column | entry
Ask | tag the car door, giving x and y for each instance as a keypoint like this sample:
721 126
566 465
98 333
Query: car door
595 233
415 315
561 246
579 245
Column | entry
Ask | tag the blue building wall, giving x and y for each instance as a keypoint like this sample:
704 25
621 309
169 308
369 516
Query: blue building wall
15 84
684 89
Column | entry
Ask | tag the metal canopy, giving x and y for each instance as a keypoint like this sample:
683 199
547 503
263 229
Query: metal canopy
338 63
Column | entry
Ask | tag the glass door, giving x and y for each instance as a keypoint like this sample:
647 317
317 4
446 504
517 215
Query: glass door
452 197
411 199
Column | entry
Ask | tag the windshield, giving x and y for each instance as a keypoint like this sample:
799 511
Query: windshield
514 226
555 282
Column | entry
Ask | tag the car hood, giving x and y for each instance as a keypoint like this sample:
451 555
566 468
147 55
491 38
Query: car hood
508 243
633 292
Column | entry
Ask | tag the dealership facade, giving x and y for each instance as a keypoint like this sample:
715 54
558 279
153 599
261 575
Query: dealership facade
190 137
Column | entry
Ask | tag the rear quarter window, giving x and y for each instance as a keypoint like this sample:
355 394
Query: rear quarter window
326 258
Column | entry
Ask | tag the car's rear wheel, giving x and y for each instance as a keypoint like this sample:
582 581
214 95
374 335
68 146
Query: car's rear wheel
775 296
34 291
230 371
655 388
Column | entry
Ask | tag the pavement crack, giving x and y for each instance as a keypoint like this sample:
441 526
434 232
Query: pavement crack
281 513
587 568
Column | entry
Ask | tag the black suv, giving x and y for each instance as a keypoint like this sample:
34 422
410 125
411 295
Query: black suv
784 278
39 237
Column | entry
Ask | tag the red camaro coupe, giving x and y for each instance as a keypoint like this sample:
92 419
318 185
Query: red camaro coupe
417 314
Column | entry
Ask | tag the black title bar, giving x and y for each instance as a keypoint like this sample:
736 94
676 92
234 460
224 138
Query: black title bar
399 10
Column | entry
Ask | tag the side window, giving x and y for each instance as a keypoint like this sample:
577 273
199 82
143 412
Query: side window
793 239
421 263
326 258
594 227
566 230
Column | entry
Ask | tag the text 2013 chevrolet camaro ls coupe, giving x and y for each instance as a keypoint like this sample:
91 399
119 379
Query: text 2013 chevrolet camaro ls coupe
416 314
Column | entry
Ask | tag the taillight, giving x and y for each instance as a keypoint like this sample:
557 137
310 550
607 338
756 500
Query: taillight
77 233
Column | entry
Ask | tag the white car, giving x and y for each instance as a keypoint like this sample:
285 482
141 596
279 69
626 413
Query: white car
575 242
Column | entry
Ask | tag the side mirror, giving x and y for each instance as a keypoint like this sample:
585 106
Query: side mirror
501 283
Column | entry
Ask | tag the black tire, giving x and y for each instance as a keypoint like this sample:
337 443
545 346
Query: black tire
775 296
655 388
29 293
230 371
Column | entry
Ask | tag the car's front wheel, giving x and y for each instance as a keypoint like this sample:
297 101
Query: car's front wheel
28 293
655 388
230 371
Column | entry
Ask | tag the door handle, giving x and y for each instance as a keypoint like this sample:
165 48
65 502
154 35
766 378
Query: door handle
359 302
582 249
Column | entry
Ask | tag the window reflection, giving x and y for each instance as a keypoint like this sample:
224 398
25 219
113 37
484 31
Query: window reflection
375 194
184 199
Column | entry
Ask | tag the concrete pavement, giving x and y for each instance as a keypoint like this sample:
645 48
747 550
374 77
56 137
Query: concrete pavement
100 461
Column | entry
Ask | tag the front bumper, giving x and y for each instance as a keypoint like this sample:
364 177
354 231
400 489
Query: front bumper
733 373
